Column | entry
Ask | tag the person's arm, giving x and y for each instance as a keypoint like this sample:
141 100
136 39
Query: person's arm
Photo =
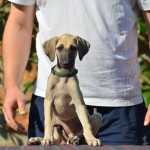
16 49
147 19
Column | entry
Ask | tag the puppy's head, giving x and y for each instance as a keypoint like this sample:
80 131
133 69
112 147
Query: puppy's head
66 48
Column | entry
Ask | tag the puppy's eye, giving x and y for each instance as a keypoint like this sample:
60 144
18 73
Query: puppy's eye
60 48
73 47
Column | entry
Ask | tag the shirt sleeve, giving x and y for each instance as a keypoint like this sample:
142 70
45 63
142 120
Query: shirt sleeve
23 2
144 4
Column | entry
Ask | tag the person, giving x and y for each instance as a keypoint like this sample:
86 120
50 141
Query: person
108 75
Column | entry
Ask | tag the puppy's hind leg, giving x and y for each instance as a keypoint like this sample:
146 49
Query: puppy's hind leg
95 121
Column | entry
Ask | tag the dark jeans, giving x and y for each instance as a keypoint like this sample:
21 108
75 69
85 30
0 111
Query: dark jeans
121 125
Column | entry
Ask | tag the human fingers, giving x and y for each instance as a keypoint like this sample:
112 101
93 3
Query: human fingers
6 119
147 117
10 118
12 122
21 106
21 128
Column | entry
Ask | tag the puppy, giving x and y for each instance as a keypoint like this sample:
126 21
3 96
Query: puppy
66 117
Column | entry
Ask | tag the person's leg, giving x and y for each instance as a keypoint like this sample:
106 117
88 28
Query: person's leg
36 117
123 125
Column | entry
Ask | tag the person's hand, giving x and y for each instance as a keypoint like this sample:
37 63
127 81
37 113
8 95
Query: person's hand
147 117
14 99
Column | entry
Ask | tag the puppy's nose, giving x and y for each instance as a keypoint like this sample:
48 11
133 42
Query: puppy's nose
66 64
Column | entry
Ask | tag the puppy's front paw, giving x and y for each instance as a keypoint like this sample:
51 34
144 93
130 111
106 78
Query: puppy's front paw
46 142
34 141
73 140
93 142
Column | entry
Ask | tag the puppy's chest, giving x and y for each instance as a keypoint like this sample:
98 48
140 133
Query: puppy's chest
61 90
62 99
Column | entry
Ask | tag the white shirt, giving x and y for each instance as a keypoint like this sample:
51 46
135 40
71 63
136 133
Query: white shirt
109 74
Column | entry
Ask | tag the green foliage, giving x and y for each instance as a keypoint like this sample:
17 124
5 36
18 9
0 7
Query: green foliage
145 77
34 58
144 59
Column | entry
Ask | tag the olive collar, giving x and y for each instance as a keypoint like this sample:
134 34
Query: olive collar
71 73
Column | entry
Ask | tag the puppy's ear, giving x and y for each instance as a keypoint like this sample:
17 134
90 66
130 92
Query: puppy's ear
83 47
49 48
